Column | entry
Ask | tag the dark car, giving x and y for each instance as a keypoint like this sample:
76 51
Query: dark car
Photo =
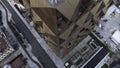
100 36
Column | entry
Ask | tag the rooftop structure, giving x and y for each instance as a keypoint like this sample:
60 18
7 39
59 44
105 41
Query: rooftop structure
96 59
116 37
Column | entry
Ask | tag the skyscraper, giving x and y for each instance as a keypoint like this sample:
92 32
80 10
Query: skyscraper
63 24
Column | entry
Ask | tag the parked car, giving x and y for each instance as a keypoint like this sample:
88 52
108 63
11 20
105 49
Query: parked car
100 36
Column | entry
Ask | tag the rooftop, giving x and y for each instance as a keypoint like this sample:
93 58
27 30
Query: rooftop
17 63
96 59
3 44
116 36
5 48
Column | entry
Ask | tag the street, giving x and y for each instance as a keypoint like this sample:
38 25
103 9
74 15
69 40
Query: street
37 50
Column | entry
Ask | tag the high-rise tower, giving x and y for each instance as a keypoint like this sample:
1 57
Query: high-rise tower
64 23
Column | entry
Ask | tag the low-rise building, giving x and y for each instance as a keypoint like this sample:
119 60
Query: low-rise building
3 44
18 62
97 60
5 48
92 54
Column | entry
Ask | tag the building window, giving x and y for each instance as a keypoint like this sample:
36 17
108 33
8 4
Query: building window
83 7
75 28
96 1
61 40
110 4
101 7
101 14
82 30
62 21
90 16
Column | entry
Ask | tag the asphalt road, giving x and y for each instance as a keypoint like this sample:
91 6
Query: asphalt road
38 51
